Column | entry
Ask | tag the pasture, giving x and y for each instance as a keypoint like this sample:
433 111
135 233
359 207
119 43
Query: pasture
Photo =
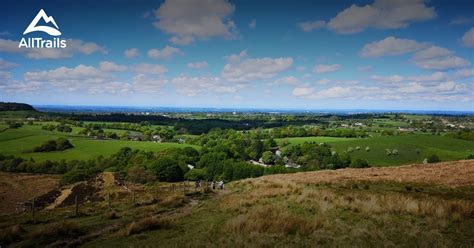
21 141
412 148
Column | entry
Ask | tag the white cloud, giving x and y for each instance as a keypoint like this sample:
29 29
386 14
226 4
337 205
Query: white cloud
244 70
288 80
460 20
188 20
323 81
198 65
192 86
390 46
326 68
303 91
234 58
73 47
6 64
465 73
388 79
131 53
468 38
253 24
164 53
144 68
382 14
438 58
310 26
109 66
146 84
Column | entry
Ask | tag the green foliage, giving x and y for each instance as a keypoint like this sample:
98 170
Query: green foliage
433 159
60 144
359 163
268 157
196 174
167 170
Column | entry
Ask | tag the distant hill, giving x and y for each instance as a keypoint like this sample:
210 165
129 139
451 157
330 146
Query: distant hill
13 106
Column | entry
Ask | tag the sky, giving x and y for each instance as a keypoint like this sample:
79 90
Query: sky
380 54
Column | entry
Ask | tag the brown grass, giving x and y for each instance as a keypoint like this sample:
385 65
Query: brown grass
173 201
451 174
148 224
11 234
56 231
22 187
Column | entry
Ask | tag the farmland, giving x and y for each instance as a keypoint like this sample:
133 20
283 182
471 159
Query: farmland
20 142
411 148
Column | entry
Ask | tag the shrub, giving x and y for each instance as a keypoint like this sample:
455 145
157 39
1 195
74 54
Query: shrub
471 156
138 174
168 170
60 144
433 159
359 163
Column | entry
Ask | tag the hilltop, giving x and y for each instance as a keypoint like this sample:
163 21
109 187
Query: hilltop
13 106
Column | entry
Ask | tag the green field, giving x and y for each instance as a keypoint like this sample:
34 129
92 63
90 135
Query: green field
20 141
445 148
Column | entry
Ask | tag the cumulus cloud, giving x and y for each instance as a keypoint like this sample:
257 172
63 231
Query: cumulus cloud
198 65
326 68
109 66
144 68
310 26
438 58
188 20
5 65
241 69
73 47
287 80
147 84
165 53
468 38
192 86
465 73
388 79
253 24
390 46
131 53
303 91
381 14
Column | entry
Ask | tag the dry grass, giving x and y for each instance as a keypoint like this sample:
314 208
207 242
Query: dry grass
148 224
56 231
11 234
22 187
173 201
451 174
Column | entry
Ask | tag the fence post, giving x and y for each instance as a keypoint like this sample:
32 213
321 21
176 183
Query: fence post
33 208
133 193
77 206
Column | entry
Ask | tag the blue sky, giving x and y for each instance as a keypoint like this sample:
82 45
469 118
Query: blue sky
412 55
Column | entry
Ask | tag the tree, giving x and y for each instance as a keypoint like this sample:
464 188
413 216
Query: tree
167 170
196 174
268 157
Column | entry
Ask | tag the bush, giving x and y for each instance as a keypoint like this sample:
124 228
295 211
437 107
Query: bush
433 159
60 144
196 174
359 163
168 170
138 174
471 156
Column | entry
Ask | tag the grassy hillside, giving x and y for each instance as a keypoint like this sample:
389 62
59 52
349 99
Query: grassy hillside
411 148
20 141
410 206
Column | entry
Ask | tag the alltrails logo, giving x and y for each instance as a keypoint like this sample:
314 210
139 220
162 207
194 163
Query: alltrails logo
38 42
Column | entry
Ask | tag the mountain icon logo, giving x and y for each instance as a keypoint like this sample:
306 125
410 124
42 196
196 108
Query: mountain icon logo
48 19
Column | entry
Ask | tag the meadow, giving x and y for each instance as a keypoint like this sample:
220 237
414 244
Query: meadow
412 148
414 206
21 141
